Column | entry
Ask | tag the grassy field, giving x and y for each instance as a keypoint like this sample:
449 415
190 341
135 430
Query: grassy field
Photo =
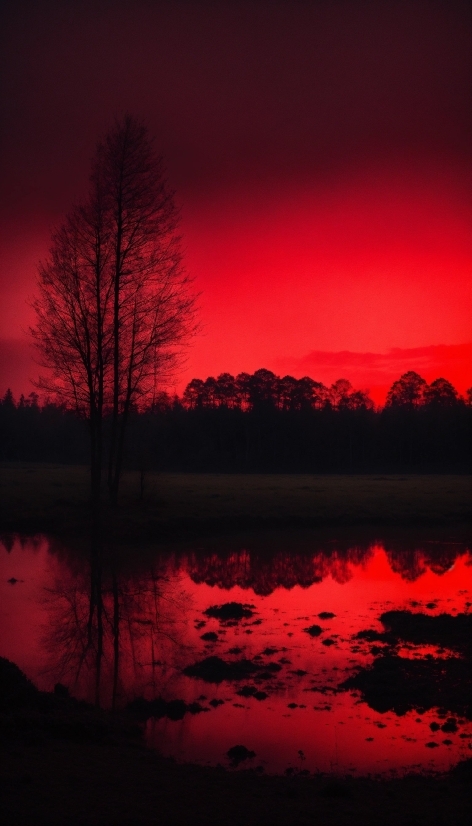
54 498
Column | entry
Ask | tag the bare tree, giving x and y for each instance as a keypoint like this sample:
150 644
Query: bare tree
114 304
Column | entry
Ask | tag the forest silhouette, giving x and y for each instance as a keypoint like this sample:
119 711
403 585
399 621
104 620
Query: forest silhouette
262 423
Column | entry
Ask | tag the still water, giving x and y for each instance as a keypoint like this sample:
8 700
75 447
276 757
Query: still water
259 643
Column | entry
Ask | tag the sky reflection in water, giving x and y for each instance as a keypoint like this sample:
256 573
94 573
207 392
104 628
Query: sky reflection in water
304 722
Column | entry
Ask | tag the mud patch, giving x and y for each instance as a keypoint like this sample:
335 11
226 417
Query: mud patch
209 636
453 632
215 670
397 684
238 754
314 630
252 691
230 611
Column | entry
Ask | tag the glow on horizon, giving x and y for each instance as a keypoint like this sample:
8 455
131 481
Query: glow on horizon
363 278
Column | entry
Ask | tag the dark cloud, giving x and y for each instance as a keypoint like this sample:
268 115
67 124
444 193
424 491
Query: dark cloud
380 370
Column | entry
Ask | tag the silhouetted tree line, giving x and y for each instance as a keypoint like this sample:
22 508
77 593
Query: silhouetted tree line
34 432
262 422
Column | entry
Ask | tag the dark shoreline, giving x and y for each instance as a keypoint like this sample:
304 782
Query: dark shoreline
67 763
121 529
40 499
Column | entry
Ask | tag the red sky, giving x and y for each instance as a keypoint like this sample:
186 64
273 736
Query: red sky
320 152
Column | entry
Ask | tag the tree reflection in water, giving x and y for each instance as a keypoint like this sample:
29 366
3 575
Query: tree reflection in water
127 630
264 571
110 632
113 632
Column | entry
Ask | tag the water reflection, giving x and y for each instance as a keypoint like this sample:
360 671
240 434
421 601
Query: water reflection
232 634
106 632
264 572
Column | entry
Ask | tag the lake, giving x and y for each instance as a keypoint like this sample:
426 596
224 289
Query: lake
343 656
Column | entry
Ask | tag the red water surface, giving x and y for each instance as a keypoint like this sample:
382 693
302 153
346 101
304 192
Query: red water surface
162 621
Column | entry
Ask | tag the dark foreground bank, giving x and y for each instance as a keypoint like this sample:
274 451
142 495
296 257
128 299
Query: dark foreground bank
66 763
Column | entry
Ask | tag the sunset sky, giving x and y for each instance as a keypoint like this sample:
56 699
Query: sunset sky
320 152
